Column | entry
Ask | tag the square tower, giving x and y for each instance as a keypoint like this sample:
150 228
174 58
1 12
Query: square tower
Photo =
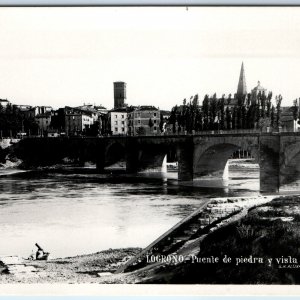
119 94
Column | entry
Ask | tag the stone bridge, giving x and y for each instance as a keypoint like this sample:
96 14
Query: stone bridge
278 154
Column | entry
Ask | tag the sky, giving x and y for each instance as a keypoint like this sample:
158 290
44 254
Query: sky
70 56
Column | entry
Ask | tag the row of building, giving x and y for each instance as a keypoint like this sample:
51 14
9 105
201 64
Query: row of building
92 120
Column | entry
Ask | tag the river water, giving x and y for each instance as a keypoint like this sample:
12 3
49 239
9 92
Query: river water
75 211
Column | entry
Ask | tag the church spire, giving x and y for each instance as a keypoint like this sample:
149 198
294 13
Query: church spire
242 88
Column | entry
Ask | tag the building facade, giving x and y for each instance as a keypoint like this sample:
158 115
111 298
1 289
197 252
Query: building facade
287 120
39 110
44 122
77 121
256 91
144 120
4 103
118 121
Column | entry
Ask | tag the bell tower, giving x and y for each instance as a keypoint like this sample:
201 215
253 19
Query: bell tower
119 94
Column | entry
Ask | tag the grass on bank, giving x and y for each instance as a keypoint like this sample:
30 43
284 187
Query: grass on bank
270 231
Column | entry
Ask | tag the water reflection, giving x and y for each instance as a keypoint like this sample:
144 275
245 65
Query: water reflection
69 213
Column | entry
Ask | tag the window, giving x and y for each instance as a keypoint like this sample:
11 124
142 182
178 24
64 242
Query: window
116 116
154 114
154 128
116 129
123 122
154 121
122 116
123 129
116 122
139 121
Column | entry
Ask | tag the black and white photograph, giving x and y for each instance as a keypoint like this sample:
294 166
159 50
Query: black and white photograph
153 145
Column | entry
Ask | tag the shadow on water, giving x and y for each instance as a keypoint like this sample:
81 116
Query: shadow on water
130 184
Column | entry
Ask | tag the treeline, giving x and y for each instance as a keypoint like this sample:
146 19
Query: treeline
245 112
12 121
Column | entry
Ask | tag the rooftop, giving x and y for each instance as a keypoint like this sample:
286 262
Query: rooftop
99 107
122 109
147 107
258 88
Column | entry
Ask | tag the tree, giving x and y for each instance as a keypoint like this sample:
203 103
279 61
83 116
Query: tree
248 99
250 117
205 109
295 109
234 118
195 100
161 122
228 118
221 109
264 123
229 99
263 102
173 117
9 109
199 121
141 131
239 117
150 124
278 110
244 117
269 104
272 116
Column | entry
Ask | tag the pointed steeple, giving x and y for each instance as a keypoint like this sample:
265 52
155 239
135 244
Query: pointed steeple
242 88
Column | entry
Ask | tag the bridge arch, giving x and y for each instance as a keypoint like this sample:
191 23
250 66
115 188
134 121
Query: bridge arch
153 156
89 152
290 164
211 156
114 152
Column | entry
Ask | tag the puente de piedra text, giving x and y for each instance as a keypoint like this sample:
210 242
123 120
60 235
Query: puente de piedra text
278 154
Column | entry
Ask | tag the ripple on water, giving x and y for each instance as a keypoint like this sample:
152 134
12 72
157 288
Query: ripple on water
70 214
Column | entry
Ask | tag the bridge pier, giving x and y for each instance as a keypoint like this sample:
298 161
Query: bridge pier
100 159
132 157
81 156
269 162
185 156
100 164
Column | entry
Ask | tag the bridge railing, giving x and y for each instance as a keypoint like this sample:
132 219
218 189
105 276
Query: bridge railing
233 131
210 132
185 133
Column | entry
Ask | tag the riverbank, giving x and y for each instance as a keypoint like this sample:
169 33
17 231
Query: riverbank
263 245
89 268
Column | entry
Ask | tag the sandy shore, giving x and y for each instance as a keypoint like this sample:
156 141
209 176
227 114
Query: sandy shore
78 269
